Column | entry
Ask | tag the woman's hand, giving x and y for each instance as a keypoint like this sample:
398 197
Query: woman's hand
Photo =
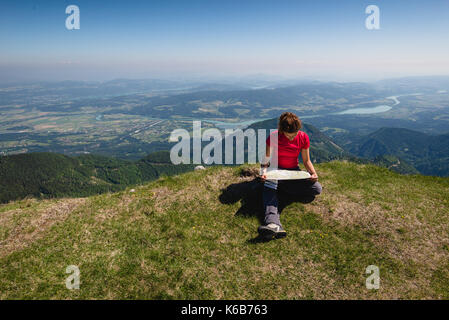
263 174
308 164
314 177
264 166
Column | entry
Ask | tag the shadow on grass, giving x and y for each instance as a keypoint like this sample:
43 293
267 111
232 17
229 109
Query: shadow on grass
258 239
250 195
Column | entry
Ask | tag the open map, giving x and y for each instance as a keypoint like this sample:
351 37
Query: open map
278 174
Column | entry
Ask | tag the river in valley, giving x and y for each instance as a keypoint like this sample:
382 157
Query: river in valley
353 111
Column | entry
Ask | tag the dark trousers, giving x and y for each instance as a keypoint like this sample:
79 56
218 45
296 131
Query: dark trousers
303 190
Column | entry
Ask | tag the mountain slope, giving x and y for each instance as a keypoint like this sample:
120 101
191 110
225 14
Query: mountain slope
395 164
56 175
194 236
428 154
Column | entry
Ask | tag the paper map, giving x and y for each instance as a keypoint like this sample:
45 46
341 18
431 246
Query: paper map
278 174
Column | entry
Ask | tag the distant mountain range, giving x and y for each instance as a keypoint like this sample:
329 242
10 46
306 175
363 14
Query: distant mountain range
429 154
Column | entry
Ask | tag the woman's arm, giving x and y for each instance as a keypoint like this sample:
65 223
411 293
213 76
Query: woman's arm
308 164
266 161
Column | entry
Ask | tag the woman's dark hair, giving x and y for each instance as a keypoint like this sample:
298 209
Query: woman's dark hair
289 123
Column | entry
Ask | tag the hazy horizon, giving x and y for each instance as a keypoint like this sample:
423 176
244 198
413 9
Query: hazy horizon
322 40
232 79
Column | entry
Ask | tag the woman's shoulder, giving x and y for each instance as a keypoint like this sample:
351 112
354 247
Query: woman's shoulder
303 140
301 135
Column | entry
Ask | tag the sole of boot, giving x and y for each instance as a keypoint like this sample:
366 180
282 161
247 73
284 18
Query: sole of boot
270 234
266 234
280 235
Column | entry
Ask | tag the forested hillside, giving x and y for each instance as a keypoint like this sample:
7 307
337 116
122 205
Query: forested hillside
429 154
56 175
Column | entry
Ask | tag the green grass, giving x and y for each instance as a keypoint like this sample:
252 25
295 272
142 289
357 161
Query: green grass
174 239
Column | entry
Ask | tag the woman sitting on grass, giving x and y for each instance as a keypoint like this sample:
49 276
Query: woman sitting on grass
290 143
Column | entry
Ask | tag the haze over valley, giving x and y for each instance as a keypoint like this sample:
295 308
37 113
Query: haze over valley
129 119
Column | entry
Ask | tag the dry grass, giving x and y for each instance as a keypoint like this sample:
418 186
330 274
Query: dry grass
178 238
406 223
30 224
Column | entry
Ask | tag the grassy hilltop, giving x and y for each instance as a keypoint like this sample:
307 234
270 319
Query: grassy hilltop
194 236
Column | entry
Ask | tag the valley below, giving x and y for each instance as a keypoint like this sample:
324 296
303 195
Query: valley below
138 120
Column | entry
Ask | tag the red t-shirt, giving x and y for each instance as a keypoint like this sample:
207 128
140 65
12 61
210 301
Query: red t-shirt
288 151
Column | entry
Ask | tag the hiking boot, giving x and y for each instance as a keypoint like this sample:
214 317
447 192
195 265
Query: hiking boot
271 231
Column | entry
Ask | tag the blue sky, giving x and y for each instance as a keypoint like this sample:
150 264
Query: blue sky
147 39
